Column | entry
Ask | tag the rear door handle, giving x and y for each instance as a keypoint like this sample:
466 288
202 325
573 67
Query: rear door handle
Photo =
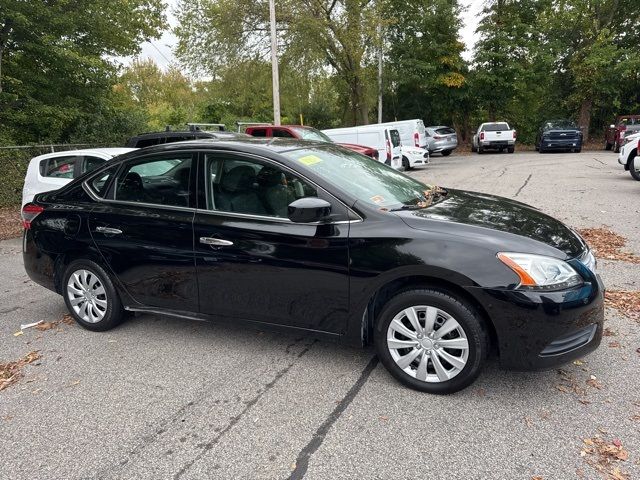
109 230
215 241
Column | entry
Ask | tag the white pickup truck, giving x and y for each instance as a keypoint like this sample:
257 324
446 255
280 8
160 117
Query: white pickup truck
494 136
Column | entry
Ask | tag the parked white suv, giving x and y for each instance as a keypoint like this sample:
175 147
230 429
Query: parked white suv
628 156
52 171
494 135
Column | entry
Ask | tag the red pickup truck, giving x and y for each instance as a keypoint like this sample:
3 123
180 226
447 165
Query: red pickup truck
625 125
305 133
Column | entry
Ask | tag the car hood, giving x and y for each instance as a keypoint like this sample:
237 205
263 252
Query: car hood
496 213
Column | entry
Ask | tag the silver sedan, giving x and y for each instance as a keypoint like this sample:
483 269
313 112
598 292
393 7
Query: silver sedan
441 139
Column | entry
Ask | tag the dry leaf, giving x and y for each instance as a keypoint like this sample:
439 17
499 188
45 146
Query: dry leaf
627 302
11 372
607 244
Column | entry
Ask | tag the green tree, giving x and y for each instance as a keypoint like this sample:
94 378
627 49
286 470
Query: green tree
54 60
428 75
341 34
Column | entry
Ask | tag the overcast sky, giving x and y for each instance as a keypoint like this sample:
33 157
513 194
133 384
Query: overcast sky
161 50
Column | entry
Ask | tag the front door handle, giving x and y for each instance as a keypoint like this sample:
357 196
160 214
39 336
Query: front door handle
215 241
109 230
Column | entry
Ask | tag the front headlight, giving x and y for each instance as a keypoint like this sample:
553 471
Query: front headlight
541 273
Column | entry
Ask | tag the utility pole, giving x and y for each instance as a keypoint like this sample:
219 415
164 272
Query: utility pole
380 73
274 64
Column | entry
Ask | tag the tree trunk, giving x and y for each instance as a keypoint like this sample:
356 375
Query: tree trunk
358 102
584 119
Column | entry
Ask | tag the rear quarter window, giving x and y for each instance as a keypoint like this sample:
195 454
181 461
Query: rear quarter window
58 167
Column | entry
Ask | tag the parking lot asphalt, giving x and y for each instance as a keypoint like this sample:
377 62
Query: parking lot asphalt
167 398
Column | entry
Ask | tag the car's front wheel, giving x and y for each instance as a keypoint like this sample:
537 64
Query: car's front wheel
406 164
91 297
431 341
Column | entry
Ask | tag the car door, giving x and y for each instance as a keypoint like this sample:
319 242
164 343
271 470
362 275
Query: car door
143 228
252 261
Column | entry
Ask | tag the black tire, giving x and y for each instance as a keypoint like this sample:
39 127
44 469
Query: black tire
466 316
446 153
114 313
473 148
616 147
406 164
578 150
607 145
541 149
634 173
480 150
511 149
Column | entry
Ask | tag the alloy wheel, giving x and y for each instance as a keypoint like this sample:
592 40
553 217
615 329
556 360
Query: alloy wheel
428 344
87 296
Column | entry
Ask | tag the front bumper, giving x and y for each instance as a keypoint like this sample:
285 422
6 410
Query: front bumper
561 144
541 330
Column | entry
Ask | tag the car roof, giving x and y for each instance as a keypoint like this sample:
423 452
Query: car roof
109 152
255 145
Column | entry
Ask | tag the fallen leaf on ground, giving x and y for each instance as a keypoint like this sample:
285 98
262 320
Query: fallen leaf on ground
46 326
11 372
614 344
603 455
10 223
608 245
609 333
627 302
593 382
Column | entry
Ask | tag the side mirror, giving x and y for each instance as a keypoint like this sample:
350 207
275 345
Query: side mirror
309 209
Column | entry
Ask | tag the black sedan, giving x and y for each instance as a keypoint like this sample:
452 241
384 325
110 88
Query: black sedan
312 237
559 135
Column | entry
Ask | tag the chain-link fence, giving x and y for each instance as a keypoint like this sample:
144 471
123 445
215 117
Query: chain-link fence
14 161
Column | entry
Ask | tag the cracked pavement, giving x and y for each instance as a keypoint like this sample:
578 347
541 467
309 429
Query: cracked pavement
166 398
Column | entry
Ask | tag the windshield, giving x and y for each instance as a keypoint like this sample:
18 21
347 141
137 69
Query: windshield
369 181
495 127
553 124
311 134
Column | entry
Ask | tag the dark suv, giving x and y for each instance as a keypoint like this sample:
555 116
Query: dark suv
169 136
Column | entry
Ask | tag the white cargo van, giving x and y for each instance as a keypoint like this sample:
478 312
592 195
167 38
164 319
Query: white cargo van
385 139
412 132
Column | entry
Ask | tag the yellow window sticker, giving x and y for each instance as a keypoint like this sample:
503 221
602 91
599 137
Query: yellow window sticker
309 160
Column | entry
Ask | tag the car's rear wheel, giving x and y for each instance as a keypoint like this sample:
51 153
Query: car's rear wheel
480 150
634 173
616 147
91 297
473 148
607 145
511 149
446 153
431 341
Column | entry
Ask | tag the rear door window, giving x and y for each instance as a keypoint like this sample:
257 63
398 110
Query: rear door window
162 180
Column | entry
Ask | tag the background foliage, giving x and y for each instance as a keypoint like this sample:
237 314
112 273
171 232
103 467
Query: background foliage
534 60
